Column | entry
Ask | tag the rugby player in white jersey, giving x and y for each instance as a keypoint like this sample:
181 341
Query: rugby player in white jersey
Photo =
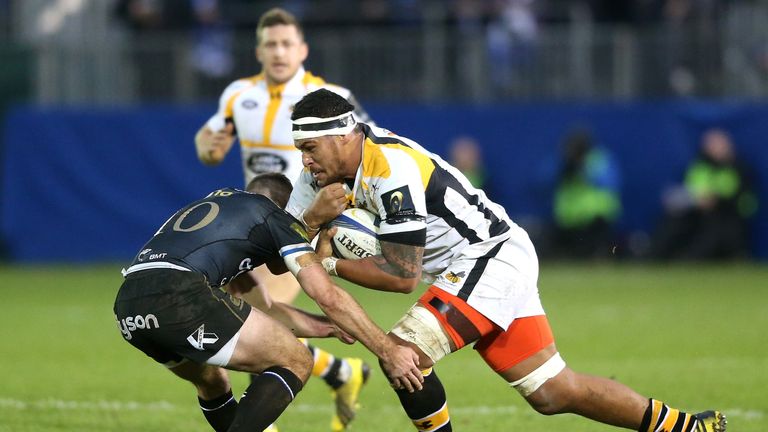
482 270
257 112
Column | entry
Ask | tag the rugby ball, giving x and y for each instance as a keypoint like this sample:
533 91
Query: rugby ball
356 234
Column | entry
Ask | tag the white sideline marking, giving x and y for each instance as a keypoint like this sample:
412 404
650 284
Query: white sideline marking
99 405
115 405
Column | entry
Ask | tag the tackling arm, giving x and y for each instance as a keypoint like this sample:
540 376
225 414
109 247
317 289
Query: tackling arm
300 322
399 363
305 324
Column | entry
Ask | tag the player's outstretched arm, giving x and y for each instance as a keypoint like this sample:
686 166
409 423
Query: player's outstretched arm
212 146
306 324
300 322
401 364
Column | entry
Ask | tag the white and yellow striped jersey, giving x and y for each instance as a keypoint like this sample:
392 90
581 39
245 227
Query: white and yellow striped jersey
472 249
262 117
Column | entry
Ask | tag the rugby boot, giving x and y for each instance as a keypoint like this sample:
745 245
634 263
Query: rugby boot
710 421
346 395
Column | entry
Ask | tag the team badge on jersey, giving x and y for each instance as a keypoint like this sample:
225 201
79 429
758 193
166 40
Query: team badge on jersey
266 163
454 277
399 205
249 104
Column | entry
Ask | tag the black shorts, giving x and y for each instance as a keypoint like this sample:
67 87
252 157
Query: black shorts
173 315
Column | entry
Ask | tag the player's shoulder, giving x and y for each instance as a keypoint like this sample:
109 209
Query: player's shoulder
380 135
243 83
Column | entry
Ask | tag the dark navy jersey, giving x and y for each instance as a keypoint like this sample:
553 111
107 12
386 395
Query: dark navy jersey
224 234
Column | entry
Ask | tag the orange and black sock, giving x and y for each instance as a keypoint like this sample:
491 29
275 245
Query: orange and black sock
334 371
661 418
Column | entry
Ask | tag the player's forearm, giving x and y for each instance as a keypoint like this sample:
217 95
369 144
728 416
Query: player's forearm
375 273
343 310
301 323
346 313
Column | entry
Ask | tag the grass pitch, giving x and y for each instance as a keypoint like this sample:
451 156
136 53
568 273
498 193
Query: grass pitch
695 337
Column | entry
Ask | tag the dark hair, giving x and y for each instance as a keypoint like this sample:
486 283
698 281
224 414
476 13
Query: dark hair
321 103
274 186
277 16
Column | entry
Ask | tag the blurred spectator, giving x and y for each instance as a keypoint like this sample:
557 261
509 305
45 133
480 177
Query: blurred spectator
212 54
465 154
587 201
157 23
707 217
512 35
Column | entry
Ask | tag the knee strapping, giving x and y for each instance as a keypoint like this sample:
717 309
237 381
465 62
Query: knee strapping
421 328
531 382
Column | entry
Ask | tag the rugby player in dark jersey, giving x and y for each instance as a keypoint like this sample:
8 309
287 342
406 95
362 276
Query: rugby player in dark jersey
174 305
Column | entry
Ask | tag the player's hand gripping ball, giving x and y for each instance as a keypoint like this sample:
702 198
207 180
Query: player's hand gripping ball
356 234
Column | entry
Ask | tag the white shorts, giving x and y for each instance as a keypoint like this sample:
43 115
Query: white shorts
502 286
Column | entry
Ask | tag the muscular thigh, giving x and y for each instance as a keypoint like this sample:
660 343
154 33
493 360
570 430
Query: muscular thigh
441 323
264 342
525 338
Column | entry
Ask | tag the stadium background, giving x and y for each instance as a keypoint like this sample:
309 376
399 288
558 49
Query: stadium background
99 112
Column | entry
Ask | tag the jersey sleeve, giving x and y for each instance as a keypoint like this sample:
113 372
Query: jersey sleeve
219 119
302 195
401 201
290 238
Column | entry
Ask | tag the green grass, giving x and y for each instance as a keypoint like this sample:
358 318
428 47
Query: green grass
695 337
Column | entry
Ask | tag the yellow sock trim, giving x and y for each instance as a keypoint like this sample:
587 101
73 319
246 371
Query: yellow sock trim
670 421
655 411
433 421
323 360
688 418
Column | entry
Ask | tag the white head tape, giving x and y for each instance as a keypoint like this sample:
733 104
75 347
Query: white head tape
313 127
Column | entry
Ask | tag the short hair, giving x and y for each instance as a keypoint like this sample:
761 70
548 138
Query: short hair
274 17
321 103
274 186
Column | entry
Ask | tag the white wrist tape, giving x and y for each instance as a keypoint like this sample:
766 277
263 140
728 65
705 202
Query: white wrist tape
329 264
531 382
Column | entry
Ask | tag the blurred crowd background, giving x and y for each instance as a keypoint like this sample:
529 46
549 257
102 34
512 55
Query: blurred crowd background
585 118
119 51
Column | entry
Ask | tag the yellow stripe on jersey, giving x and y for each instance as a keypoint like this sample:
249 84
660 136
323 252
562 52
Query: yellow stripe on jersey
256 78
375 164
275 99
254 144
309 78
229 108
